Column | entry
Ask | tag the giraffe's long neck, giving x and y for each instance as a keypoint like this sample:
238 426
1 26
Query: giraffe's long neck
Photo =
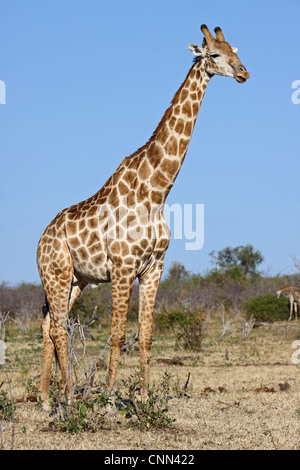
147 175
166 150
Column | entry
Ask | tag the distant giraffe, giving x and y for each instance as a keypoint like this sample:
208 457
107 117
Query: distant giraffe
293 294
120 233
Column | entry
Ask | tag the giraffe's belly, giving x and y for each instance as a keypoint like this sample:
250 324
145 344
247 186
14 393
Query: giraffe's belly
89 256
93 273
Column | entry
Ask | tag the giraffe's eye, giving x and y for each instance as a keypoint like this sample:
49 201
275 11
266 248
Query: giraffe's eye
214 56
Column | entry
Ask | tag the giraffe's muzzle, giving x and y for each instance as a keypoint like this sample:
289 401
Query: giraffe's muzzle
241 74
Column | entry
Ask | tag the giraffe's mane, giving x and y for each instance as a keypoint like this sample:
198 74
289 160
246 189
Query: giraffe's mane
165 117
197 59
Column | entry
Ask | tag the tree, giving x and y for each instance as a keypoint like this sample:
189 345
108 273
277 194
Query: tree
177 272
238 262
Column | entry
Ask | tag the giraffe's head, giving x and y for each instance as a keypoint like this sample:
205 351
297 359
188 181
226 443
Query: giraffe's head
278 293
220 58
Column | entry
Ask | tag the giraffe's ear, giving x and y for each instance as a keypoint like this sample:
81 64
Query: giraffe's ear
234 49
196 50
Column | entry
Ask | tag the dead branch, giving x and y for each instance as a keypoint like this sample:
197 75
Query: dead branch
187 382
247 326
127 346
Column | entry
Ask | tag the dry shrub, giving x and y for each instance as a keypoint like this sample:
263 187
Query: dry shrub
186 323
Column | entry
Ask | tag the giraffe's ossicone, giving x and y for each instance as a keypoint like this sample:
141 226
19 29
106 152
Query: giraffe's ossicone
120 233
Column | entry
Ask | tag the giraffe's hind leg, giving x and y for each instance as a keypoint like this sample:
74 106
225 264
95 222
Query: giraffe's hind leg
56 276
76 291
55 335
60 300
47 358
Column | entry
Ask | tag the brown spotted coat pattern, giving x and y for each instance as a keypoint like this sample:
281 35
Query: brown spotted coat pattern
118 235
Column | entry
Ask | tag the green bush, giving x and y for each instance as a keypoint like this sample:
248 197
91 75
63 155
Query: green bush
266 307
82 415
97 303
92 303
6 407
186 323
151 414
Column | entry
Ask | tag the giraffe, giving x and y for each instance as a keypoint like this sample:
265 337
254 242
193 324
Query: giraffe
120 234
293 294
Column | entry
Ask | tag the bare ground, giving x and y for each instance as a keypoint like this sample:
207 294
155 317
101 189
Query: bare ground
242 394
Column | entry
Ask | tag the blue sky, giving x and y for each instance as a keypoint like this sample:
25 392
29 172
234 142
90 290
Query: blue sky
88 81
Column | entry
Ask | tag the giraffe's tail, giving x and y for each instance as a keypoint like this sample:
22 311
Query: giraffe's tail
46 310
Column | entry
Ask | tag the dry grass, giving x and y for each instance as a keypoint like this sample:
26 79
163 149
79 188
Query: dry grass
241 395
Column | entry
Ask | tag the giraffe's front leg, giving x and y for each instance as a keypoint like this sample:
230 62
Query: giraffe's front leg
291 308
147 293
122 279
